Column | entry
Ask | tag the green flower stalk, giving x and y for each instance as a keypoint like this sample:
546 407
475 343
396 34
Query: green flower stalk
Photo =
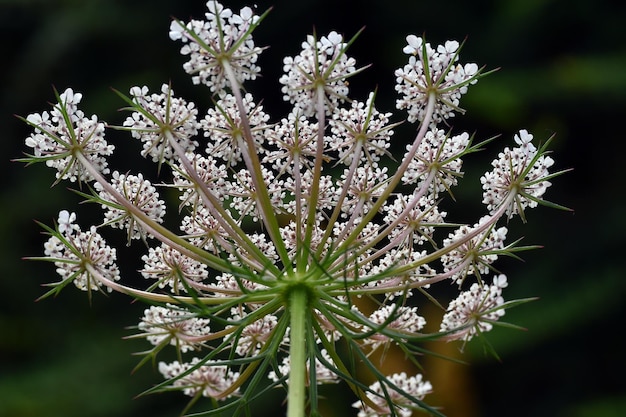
284 224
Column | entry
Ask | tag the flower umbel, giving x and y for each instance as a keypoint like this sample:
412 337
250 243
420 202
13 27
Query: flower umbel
223 39
522 171
433 71
321 69
475 311
283 224
82 258
386 398
64 133
161 113
174 325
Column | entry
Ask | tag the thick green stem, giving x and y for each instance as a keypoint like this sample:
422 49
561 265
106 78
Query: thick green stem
298 301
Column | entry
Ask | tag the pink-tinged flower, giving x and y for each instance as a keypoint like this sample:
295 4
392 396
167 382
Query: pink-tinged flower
174 325
141 194
171 268
402 319
83 258
475 255
402 406
474 311
209 379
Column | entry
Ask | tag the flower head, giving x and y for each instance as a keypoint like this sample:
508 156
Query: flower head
140 193
162 118
254 335
223 39
318 72
402 406
173 325
284 230
292 144
474 311
433 71
209 380
401 319
224 127
64 133
170 267
361 131
521 172
475 255
438 155
80 257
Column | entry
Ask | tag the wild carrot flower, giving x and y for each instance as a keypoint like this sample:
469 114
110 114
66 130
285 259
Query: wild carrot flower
318 73
63 133
142 195
209 379
161 112
522 171
224 38
386 398
81 257
175 326
283 224
433 71
475 311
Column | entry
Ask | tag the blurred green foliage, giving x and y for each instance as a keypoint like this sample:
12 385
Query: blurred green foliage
563 70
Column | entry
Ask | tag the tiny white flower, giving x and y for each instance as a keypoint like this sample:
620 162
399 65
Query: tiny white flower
66 220
414 45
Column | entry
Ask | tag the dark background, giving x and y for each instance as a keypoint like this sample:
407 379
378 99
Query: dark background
563 71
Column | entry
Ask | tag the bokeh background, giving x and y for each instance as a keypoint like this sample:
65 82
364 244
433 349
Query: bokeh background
563 71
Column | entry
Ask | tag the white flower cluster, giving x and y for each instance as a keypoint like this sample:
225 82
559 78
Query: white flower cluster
253 336
223 38
63 133
429 70
169 267
209 379
322 65
474 256
474 311
349 139
401 319
439 155
137 190
83 258
402 406
179 117
174 325
283 225
523 171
